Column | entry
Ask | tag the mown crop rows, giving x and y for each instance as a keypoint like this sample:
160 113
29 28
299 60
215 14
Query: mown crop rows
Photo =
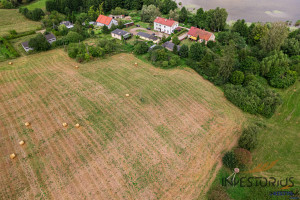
160 142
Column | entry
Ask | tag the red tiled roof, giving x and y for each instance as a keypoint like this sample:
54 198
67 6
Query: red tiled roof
204 35
104 20
163 21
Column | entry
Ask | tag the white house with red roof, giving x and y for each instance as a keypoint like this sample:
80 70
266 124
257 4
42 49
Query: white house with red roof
203 35
165 25
106 21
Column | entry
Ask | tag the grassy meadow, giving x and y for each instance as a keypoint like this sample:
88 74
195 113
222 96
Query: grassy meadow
164 140
37 4
11 19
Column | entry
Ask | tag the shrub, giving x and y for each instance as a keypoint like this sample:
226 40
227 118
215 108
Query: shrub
140 48
243 157
237 78
73 37
229 160
254 98
175 40
105 30
184 51
248 139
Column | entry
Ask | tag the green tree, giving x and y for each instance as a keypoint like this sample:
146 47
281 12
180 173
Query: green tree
73 37
197 51
140 48
175 40
167 5
92 14
276 69
237 78
248 139
105 30
183 15
184 51
275 37
39 43
149 13
291 47
200 19
250 65
175 49
174 15
257 32
241 27
229 160
217 19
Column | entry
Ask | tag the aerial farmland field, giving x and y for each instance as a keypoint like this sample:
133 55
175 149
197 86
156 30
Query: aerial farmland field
163 141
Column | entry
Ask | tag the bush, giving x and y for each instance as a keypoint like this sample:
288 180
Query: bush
140 48
254 98
184 51
35 14
73 37
248 139
6 4
243 157
237 78
229 160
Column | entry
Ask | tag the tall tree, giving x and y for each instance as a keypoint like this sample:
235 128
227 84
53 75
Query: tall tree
275 37
241 27
183 15
166 5
217 19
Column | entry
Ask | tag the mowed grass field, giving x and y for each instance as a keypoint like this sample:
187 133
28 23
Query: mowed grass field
37 4
163 141
11 19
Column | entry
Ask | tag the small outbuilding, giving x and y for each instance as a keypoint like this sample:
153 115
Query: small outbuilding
170 46
118 33
26 47
146 36
129 24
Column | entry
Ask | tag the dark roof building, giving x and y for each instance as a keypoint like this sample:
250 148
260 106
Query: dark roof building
50 38
26 47
147 36
118 33
169 45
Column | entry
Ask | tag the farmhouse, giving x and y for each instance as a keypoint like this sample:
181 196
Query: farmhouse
67 24
169 45
50 38
146 36
165 25
118 33
106 21
203 35
26 46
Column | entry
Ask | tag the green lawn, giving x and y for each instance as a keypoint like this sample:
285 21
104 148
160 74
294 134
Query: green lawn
11 19
37 4
187 42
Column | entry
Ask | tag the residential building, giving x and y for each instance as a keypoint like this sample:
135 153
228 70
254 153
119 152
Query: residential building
165 25
118 33
67 24
202 34
50 38
106 21
26 46
170 46
146 36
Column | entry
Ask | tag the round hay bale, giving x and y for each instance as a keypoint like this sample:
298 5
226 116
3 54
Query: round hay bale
77 125
10 63
12 156
22 142
76 67
27 123
65 124
136 64
127 95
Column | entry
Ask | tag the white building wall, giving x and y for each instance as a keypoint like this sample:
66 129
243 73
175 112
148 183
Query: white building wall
164 28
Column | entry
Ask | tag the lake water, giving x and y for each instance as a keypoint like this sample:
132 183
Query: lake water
252 10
